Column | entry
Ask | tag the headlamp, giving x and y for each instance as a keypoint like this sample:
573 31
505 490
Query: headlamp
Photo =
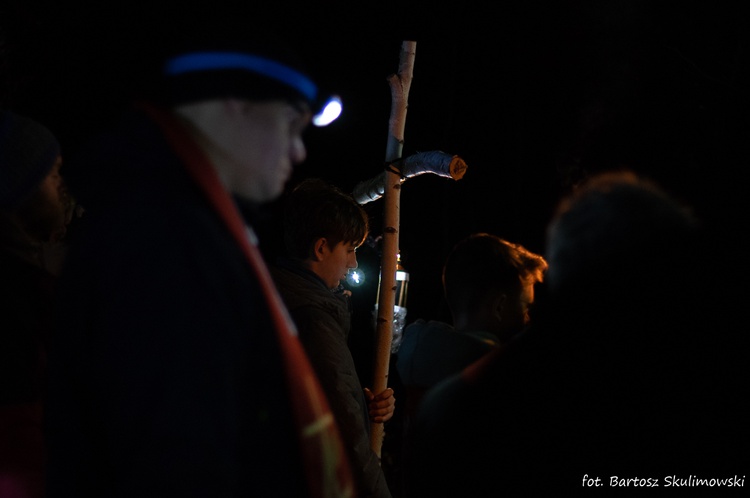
355 277
274 77
329 112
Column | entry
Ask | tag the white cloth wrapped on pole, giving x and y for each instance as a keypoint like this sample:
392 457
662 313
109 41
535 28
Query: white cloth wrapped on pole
435 162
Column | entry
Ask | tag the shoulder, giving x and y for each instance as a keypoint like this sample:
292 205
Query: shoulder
422 328
304 293
431 351
440 337
444 404
113 164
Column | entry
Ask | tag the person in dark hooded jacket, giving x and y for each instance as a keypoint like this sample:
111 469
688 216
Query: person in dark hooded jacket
35 209
322 229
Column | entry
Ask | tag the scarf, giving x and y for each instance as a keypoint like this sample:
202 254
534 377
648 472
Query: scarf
325 463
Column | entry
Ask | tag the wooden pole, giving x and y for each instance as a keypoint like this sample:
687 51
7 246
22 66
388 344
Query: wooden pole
400 84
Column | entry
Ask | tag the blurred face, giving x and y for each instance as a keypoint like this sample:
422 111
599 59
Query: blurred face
47 212
336 262
261 145
515 316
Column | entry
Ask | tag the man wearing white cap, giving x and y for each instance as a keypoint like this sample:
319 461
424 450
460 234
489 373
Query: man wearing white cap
178 371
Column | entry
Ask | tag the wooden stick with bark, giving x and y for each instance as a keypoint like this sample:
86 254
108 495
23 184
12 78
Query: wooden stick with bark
400 84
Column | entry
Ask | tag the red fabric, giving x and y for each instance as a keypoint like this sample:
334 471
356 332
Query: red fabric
326 467
479 368
21 451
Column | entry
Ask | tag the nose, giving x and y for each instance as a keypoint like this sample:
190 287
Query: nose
353 261
298 151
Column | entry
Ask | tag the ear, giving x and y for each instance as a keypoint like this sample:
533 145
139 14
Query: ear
233 105
236 107
320 248
499 303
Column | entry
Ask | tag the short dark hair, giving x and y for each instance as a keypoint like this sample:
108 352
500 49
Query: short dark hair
315 209
617 228
482 263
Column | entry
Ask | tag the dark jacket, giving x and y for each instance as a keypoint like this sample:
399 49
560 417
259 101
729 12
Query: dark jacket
26 325
166 378
323 320
432 350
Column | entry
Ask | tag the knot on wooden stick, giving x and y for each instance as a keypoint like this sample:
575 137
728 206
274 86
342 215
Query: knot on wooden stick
457 168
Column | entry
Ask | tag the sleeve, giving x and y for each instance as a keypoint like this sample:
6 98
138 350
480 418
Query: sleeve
437 433
166 377
326 345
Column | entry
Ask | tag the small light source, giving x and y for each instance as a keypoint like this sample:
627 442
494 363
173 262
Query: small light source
328 114
355 277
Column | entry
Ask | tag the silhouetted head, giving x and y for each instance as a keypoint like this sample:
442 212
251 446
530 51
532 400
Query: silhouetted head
249 97
323 227
623 252
35 206
28 151
489 283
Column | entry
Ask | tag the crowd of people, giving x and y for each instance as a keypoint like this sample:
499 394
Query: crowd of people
625 373
160 352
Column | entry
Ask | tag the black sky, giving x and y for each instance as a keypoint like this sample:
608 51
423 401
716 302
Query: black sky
533 95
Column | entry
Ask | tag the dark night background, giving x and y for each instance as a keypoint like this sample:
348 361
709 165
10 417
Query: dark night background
532 95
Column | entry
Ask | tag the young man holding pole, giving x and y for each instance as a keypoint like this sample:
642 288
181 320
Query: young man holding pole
322 229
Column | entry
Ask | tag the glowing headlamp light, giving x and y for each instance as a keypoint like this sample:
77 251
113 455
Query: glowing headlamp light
287 76
355 277
329 112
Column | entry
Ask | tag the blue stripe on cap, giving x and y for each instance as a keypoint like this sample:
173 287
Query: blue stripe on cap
208 61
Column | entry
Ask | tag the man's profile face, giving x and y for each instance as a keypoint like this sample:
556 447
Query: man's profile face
263 144
516 315
47 211
336 261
